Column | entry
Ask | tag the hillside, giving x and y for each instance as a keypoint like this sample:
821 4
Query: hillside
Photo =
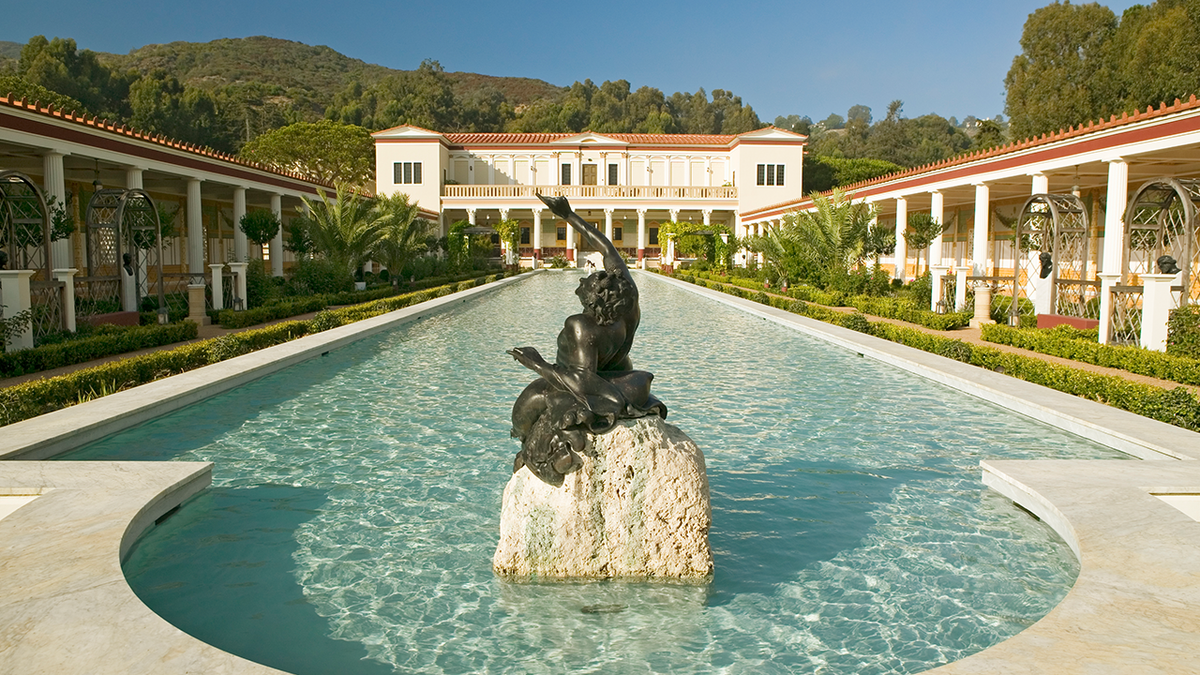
10 50
320 70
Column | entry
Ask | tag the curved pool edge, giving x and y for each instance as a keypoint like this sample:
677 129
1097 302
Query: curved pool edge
1132 608
75 612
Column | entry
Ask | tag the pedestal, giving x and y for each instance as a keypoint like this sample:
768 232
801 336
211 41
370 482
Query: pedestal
239 280
218 285
67 276
1157 303
960 287
638 509
14 296
936 274
196 311
983 305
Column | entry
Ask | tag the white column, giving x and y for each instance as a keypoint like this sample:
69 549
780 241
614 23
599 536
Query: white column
1114 217
14 295
240 245
674 215
471 217
1041 184
218 285
471 170
55 185
537 238
707 214
980 236
504 246
602 171
195 229
491 165
937 210
1107 281
641 254
936 273
570 241
133 178
960 287
1157 303
277 242
901 255
67 276
239 281
608 226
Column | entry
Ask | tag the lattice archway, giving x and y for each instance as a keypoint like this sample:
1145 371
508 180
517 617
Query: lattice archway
1056 225
1161 220
25 236
122 223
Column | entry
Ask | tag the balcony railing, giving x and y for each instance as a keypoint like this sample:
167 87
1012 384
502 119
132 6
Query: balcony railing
590 191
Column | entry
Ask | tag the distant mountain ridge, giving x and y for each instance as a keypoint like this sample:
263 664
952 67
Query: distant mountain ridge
319 69
10 50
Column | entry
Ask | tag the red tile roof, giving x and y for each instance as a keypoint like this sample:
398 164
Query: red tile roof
1070 132
541 138
104 125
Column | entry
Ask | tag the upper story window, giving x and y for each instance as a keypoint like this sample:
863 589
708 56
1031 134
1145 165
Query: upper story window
588 176
770 174
612 174
566 174
406 173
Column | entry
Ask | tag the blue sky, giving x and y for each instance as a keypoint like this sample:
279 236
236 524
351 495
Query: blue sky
802 57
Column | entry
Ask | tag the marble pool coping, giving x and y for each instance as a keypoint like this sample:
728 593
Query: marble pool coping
65 606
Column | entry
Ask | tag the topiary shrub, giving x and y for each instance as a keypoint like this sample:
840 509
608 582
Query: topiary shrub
954 349
857 322
324 320
1183 332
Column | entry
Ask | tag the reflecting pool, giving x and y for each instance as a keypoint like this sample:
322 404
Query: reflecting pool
356 500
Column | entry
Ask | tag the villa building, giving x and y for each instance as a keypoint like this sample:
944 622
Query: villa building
630 182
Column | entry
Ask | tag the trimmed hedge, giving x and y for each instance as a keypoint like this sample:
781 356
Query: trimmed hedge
892 308
290 307
1174 406
31 399
94 347
1183 332
1069 343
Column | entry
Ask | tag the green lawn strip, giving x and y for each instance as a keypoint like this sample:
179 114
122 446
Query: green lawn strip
1176 406
1073 344
30 399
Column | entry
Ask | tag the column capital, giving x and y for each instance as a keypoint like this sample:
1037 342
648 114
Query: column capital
935 192
1111 160
902 198
642 212
192 179
980 184
1035 173
608 210
707 212
537 210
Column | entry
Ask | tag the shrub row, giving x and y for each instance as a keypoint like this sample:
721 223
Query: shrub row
903 310
1066 342
890 308
1183 332
31 399
1176 406
290 307
105 343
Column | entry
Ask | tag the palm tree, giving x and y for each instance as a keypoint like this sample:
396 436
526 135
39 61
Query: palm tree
831 237
344 230
403 233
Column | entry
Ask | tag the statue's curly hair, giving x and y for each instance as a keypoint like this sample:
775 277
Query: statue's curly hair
606 296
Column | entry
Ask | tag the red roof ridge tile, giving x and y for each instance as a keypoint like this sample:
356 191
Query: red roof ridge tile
105 125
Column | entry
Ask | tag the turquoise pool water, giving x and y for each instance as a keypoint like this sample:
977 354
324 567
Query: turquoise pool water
356 502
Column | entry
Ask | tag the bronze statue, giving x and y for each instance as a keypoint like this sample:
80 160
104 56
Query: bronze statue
592 383
1167 265
1047 262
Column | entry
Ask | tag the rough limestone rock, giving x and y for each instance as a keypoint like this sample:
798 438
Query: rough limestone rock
639 508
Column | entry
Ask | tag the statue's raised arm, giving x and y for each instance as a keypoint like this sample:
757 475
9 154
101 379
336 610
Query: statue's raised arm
614 263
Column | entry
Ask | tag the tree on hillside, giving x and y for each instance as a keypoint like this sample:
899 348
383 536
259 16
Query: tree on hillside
325 151
58 66
1059 78
19 87
160 104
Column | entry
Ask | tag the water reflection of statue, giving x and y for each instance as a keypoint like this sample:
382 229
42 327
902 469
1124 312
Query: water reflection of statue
592 383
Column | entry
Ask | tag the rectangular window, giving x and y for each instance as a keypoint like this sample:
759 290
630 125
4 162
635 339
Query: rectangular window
612 174
406 173
524 236
617 234
652 236
561 234
770 174
566 174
